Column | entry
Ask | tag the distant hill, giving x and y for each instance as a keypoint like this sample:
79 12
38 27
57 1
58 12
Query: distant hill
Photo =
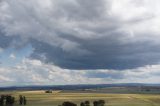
76 87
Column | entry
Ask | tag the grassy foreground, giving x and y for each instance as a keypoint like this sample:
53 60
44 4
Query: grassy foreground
40 98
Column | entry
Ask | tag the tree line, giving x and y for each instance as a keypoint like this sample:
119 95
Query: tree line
8 100
85 103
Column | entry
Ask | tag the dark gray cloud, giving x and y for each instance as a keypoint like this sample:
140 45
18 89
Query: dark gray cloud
4 40
104 53
11 41
88 34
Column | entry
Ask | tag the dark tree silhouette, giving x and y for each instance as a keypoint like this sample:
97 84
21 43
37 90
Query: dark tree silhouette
12 100
20 99
68 104
2 100
99 103
24 100
48 91
82 104
95 103
7 100
87 103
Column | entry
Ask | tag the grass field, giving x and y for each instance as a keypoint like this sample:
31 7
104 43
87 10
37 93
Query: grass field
40 98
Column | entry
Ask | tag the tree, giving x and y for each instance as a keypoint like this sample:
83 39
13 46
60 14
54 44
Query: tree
48 91
2 100
24 100
82 104
68 104
20 99
95 103
101 102
12 100
87 103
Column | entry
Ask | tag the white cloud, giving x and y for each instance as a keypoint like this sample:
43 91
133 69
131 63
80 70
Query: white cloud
31 72
12 56
4 79
34 72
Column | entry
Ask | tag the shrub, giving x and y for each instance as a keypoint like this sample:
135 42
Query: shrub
68 104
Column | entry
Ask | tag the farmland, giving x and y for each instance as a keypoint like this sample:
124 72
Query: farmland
40 98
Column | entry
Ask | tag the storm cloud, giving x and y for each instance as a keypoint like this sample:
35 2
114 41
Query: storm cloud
86 34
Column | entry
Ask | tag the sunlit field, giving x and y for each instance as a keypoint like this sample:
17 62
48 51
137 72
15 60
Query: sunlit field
40 98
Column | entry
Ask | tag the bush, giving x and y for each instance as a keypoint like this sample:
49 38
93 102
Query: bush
99 103
95 103
68 104
82 104
48 91
87 103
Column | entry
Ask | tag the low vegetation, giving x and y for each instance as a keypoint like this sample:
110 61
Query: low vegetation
57 98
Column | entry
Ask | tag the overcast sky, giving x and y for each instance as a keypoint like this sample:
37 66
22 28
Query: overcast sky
45 42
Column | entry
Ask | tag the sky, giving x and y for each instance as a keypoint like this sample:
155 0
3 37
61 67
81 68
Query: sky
60 42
